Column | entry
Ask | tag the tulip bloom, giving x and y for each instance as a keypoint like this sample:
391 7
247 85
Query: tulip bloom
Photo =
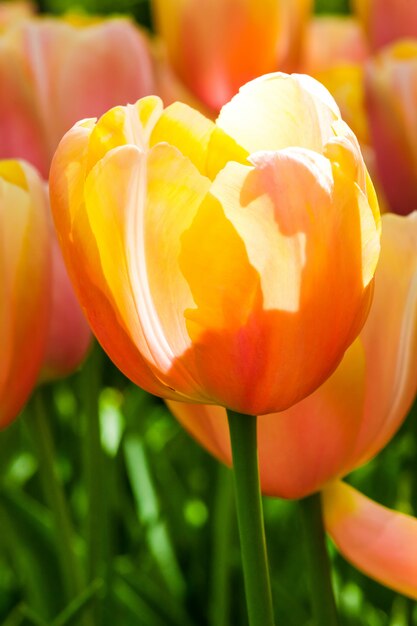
391 96
227 263
215 46
359 408
54 72
24 284
386 21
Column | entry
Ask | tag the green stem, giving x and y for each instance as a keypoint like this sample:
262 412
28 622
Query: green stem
320 583
243 438
223 518
54 495
94 460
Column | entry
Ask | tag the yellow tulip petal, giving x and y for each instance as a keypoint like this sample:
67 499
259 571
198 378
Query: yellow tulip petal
255 219
380 542
283 110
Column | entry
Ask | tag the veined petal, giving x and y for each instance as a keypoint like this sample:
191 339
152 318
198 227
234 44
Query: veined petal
380 542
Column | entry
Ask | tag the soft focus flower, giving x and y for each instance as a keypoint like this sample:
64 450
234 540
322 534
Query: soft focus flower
54 72
24 283
386 21
229 263
12 12
391 98
69 335
380 542
215 46
358 409
334 52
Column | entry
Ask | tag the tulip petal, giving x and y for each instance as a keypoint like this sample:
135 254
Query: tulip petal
283 110
24 260
263 261
391 363
380 542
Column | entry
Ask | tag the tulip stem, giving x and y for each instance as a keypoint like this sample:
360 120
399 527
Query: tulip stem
55 498
243 436
320 582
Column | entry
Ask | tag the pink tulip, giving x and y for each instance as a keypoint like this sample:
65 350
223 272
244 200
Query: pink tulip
391 97
69 335
386 21
54 72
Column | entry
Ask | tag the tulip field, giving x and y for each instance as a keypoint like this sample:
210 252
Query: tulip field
208 313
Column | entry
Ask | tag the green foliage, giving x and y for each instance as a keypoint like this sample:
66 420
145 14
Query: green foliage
154 527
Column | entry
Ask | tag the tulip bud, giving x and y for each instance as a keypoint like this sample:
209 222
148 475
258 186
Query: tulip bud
229 263
24 283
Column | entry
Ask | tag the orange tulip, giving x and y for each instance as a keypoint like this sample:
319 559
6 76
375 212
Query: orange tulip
391 97
54 72
215 46
387 20
24 284
229 263
380 542
358 409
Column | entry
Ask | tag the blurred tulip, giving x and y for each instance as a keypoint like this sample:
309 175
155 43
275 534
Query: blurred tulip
12 12
386 21
380 542
334 52
215 46
54 72
229 263
24 284
391 99
358 409
68 334
331 41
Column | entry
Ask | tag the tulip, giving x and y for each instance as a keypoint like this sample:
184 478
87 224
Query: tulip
391 91
216 46
334 52
386 21
228 263
359 408
54 72
25 281
12 12
380 542
69 336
